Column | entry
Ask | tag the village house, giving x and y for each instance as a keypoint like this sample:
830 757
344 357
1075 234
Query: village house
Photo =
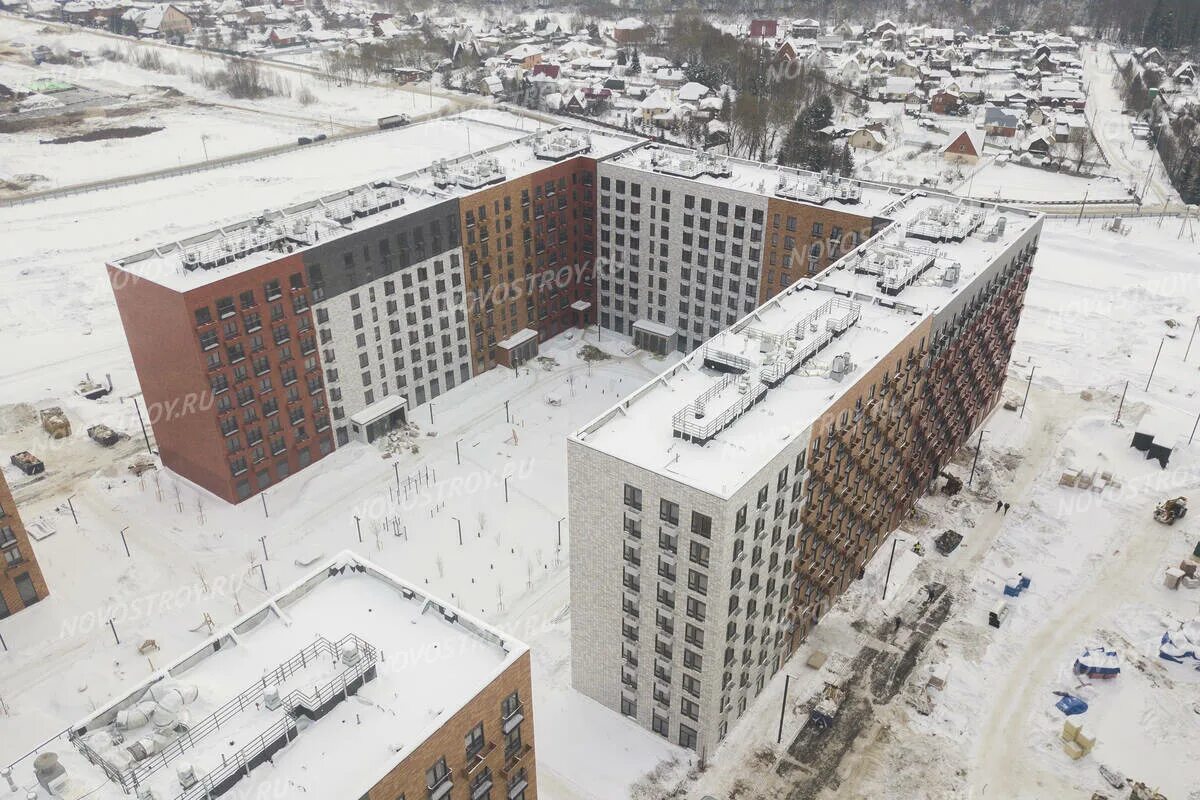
964 146
999 121
867 139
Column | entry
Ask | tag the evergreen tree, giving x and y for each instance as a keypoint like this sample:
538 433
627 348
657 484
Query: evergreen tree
635 63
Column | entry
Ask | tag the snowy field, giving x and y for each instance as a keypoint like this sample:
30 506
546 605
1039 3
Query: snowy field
1098 306
183 121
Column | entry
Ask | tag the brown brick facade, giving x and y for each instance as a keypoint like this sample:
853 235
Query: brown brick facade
864 476
802 240
231 375
21 582
408 779
525 243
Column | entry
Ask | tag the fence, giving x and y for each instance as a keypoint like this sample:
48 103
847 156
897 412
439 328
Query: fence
136 775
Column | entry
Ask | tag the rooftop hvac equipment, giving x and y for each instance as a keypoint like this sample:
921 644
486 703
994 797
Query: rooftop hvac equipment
48 771
561 144
950 274
945 222
692 165
818 188
186 774
271 697
350 653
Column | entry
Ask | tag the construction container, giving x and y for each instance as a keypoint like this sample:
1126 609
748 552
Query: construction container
997 614
1070 730
55 423
1172 578
1073 750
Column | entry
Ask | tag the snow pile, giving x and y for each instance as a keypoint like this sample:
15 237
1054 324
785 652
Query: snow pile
1184 642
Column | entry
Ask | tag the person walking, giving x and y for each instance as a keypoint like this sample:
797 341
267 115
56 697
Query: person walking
1006 508
998 504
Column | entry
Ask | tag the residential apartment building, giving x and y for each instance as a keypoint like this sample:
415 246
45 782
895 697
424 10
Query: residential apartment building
269 700
695 242
21 583
720 510
264 345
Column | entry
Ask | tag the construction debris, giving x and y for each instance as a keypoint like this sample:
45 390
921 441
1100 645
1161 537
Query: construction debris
1168 511
103 435
27 462
946 543
55 423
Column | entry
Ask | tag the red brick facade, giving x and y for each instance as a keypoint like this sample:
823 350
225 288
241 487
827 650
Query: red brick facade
231 375
21 581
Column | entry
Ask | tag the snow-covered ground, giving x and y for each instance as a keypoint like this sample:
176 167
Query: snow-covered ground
1097 308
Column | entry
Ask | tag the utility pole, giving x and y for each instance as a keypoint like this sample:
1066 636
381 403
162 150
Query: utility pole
891 558
1197 425
358 526
263 541
457 452
114 631
1028 386
1154 366
124 542
430 412
396 469
506 417
978 447
1121 405
459 521
560 522
506 488
787 682
145 436
1191 338
263 573
71 506
266 513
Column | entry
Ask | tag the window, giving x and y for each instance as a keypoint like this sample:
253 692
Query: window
474 740
658 724
633 528
511 705
628 706
437 774
740 521
697 582
668 512
699 554
512 742
696 609
633 497
701 525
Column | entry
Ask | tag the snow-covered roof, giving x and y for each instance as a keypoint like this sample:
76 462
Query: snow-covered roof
499 153
692 92
629 24
755 387
417 658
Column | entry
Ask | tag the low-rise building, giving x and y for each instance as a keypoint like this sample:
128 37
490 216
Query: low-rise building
440 705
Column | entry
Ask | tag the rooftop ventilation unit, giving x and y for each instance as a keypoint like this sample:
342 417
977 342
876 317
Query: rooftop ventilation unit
818 188
944 222
561 144
690 165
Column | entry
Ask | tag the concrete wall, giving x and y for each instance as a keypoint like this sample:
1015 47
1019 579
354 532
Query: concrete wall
659 281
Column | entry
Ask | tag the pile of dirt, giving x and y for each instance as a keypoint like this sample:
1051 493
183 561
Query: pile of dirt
102 134
16 417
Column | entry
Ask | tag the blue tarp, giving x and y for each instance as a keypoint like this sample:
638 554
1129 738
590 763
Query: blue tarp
1017 585
1071 705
